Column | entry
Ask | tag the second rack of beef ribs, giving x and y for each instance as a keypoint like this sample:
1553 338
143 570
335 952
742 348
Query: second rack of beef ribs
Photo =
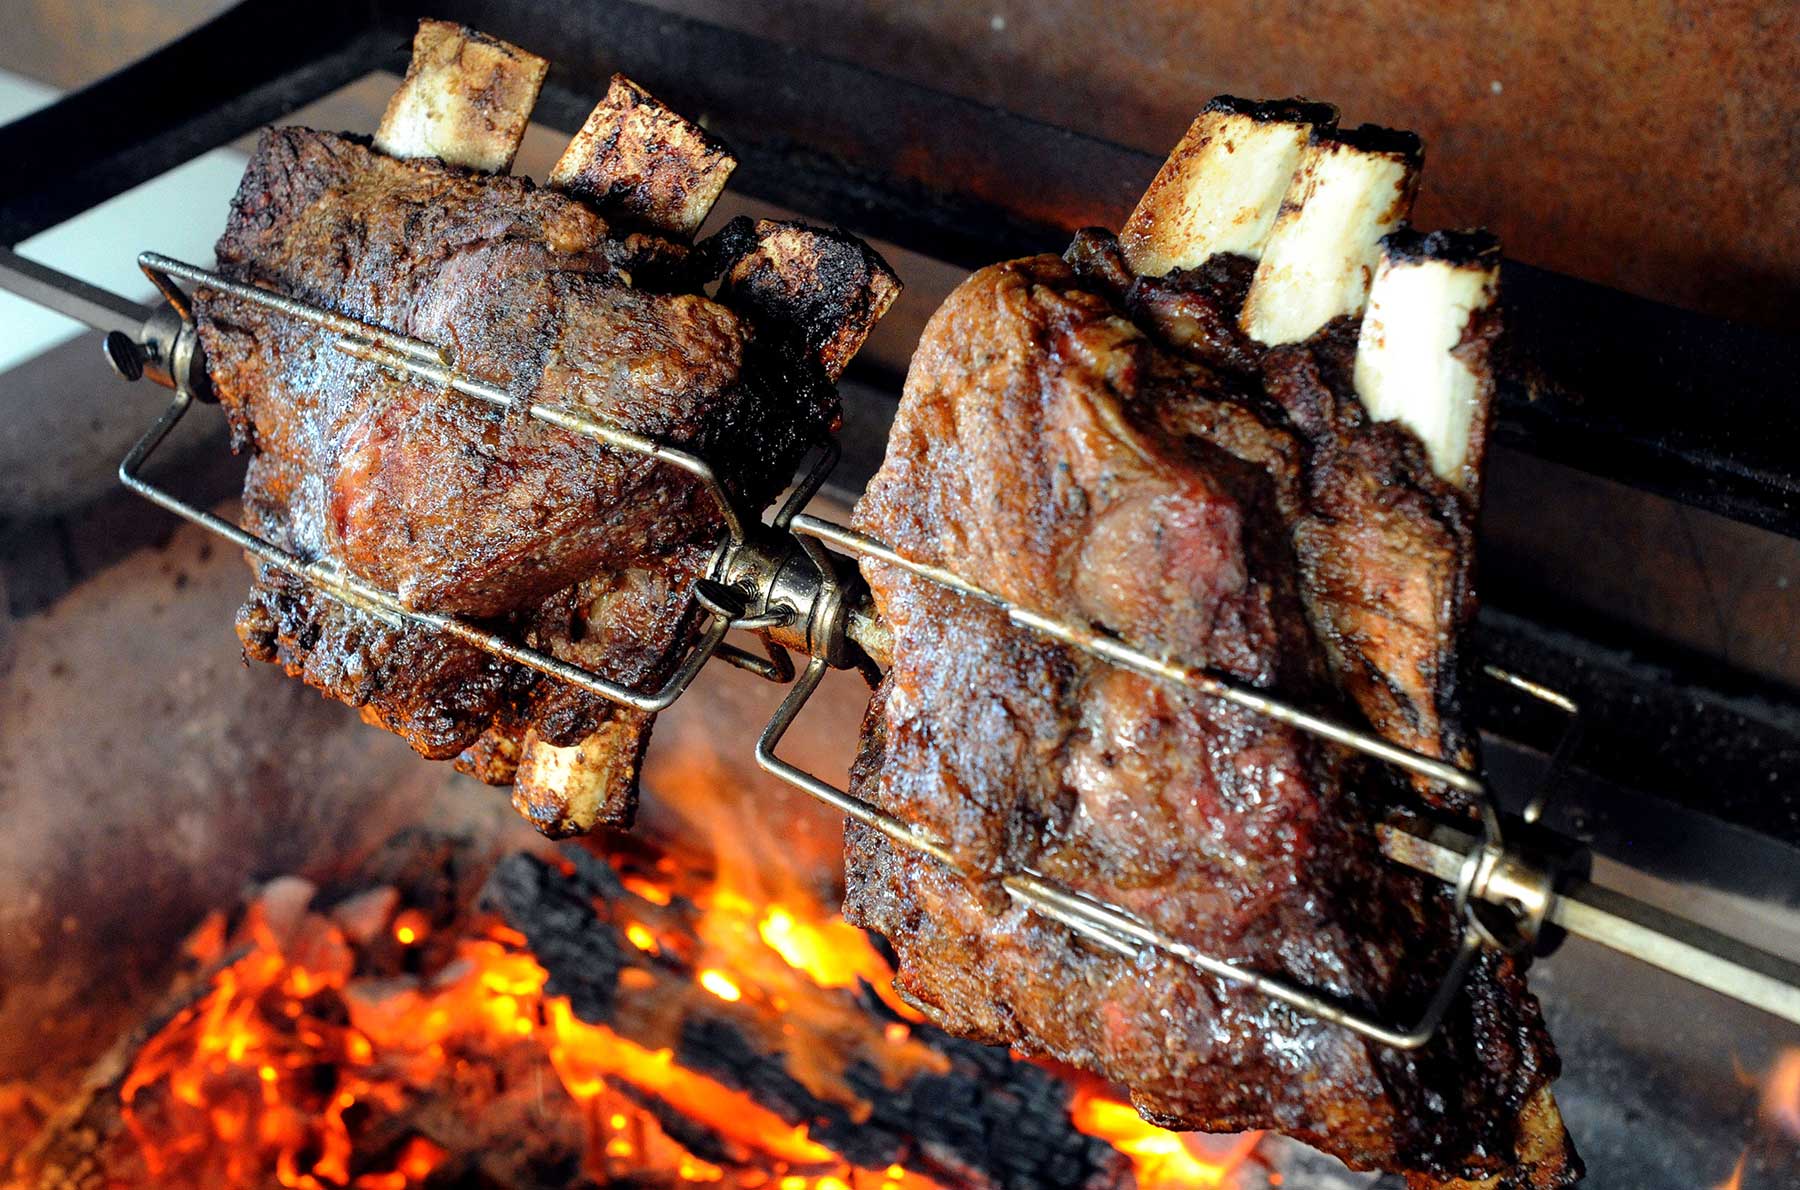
1213 452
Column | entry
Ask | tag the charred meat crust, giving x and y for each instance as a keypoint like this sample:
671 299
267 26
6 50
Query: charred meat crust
1281 111
822 289
471 510
1373 138
639 162
1478 248
1043 405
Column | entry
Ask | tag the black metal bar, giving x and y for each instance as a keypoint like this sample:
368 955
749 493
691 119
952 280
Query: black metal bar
253 64
932 172
1692 408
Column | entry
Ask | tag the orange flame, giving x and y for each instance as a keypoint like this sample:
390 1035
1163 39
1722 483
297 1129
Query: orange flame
1736 1180
1781 1092
1164 1160
268 1077
290 1055
833 952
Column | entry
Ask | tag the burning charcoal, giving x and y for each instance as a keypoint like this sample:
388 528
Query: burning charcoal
366 914
976 1118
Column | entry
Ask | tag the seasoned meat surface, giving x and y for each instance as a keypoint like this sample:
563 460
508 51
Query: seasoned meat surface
1088 466
586 552
455 505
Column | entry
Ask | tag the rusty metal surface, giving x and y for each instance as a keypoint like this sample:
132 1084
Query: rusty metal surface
1650 146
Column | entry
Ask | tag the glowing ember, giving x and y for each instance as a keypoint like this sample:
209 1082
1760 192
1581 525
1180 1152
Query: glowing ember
410 927
1164 1160
720 985
296 1052
268 1077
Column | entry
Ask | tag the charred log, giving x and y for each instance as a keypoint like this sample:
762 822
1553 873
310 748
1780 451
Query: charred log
980 1119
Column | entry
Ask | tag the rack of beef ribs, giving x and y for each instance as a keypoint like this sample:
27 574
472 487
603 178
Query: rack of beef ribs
1195 439
582 296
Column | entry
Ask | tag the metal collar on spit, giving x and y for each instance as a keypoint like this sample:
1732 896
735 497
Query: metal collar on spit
781 583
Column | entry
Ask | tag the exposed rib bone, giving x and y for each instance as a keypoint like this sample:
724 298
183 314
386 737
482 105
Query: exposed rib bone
830 288
1222 186
569 791
1353 188
637 159
466 99
1422 358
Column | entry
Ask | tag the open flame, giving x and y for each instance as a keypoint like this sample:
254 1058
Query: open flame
1781 1092
296 1063
1163 1160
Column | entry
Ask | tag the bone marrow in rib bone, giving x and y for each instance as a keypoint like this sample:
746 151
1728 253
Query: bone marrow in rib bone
466 99
636 158
1417 360
1353 187
1221 189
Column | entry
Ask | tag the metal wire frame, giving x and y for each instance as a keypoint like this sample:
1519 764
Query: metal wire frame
1114 928
427 361
1104 924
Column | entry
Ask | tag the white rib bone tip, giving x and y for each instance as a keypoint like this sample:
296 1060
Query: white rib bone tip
466 99
567 790
1352 188
1422 357
1221 188
638 159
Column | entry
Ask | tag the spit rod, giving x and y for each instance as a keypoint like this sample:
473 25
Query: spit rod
1629 926
101 309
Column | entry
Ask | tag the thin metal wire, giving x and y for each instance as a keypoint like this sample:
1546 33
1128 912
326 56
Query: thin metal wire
397 352
1121 932
1564 754
353 592
427 361
1192 677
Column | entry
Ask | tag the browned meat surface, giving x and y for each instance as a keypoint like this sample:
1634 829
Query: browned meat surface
586 552
1067 457
455 505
